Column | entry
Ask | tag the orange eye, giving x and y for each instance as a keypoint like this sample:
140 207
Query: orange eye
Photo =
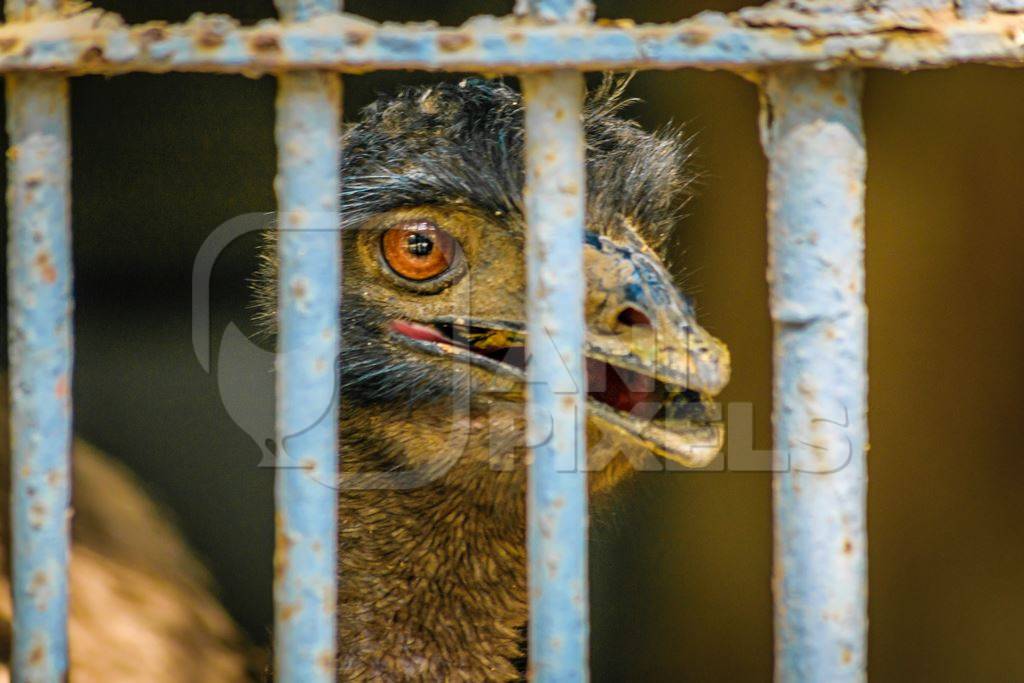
418 250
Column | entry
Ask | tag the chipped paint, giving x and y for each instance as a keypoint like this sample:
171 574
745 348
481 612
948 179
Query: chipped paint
884 36
307 185
40 350
557 493
813 137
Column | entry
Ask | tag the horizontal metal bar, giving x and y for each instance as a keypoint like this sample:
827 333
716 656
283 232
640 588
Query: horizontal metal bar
557 492
309 294
553 11
94 42
815 145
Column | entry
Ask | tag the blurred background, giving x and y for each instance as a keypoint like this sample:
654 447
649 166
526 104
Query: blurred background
680 561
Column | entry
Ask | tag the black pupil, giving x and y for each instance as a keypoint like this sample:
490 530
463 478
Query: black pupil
419 245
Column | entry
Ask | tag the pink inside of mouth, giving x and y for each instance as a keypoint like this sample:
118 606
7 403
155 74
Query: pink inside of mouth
617 387
420 332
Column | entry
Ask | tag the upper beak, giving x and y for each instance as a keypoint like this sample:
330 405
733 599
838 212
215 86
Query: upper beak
642 329
638 320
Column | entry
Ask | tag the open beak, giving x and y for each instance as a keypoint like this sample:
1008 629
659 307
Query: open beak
652 371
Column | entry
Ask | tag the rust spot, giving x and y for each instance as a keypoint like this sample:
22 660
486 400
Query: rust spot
40 581
847 547
694 37
282 545
37 655
93 54
827 80
516 37
60 390
356 38
299 289
545 526
840 99
325 660
8 44
45 266
265 42
847 655
288 611
153 34
210 38
37 514
452 42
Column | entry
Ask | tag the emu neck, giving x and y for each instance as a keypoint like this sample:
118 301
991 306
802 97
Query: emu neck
432 585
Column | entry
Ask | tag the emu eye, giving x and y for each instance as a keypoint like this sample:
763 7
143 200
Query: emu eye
418 249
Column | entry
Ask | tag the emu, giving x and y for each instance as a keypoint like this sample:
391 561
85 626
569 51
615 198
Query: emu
432 572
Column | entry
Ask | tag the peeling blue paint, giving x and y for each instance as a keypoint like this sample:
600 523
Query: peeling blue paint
814 141
309 291
904 38
40 351
556 419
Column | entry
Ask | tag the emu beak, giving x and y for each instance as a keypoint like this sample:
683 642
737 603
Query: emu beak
651 369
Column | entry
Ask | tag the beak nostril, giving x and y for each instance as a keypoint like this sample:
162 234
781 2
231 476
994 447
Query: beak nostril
633 317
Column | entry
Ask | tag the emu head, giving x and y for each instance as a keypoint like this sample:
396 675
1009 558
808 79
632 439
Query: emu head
433 342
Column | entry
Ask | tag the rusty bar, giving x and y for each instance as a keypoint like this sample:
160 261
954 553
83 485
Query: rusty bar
309 251
755 38
557 492
814 141
40 351
556 11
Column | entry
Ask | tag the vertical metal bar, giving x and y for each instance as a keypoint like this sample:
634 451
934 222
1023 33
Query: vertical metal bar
555 203
557 492
812 134
309 251
40 350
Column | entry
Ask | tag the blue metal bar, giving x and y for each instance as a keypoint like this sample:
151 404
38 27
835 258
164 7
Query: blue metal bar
556 11
815 145
40 351
556 417
751 39
309 251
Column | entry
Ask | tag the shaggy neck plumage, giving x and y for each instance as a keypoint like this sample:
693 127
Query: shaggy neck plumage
432 579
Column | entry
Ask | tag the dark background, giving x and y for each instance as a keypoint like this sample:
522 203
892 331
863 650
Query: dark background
681 562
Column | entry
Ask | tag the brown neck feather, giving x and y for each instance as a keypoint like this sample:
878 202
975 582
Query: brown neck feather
432 581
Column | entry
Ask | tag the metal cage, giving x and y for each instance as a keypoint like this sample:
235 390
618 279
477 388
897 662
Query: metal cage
805 55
